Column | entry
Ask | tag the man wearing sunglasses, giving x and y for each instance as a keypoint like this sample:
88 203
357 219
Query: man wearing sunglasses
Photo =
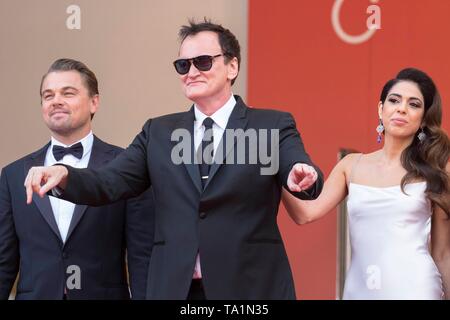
216 235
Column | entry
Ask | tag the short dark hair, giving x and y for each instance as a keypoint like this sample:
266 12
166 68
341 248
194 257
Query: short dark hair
227 40
89 78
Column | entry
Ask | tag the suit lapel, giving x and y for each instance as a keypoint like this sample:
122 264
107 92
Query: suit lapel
187 123
100 154
236 121
43 204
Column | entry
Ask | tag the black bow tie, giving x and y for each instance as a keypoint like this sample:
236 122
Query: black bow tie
76 150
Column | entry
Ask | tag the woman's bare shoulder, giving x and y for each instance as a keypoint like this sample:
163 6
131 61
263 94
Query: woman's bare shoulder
347 163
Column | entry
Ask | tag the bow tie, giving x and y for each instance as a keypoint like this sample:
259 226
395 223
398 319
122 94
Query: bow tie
76 150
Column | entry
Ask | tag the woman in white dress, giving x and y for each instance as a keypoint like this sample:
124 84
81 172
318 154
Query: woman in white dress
398 199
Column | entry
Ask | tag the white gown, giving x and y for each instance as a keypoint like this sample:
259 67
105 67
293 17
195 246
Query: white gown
389 234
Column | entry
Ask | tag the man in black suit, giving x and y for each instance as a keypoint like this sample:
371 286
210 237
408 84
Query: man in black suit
216 233
62 250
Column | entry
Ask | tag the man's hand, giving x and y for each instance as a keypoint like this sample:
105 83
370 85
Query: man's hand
43 179
301 177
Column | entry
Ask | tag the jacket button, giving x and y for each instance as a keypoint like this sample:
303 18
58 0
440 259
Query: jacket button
65 255
202 215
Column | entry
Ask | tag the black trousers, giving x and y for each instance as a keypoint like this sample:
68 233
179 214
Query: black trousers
196 291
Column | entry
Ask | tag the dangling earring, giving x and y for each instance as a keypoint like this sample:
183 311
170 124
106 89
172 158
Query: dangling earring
380 129
421 136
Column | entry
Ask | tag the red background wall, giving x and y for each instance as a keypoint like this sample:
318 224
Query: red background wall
297 63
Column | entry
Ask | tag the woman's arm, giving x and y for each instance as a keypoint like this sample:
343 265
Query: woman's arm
334 191
440 245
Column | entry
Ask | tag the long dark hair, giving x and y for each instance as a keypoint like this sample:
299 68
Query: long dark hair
426 159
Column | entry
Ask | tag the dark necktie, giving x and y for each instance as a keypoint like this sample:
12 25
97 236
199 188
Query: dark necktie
206 158
76 150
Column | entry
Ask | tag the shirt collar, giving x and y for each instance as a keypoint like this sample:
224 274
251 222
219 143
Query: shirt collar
220 117
87 143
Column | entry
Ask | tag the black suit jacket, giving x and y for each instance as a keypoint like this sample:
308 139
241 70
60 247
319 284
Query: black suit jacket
232 222
96 242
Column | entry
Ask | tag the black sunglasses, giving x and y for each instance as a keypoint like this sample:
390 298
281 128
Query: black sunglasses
202 63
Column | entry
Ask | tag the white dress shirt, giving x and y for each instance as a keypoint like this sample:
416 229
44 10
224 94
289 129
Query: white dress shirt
62 209
220 118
